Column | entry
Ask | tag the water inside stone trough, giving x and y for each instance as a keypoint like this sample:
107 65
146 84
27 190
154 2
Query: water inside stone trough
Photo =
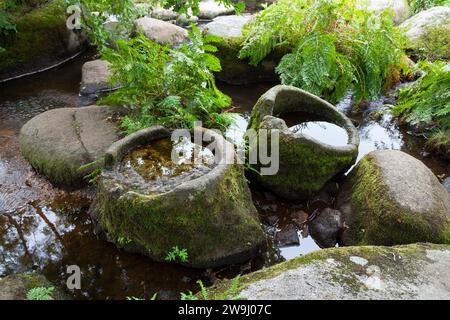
322 131
46 229
155 164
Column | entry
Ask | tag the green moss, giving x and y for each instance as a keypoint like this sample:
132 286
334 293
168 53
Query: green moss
377 219
345 275
214 222
39 35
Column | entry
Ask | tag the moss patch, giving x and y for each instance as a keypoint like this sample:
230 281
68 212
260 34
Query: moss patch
41 35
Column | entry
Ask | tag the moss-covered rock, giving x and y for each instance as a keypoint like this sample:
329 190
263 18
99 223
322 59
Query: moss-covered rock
392 198
402 272
16 287
211 216
417 25
42 39
58 142
234 70
306 164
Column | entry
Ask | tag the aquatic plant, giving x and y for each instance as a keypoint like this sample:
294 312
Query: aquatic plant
40 293
170 87
335 45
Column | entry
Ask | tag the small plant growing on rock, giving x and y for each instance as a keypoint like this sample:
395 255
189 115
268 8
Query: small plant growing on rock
177 253
40 293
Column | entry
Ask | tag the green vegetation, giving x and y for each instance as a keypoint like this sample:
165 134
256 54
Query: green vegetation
229 293
177 253
420 5
426 103
434 43
95 13
40 293
171 87
336 45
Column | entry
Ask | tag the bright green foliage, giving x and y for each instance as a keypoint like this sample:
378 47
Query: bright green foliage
338 44
230 293
95 13
420 5
170 87
40 293
434 42
177 253
427 101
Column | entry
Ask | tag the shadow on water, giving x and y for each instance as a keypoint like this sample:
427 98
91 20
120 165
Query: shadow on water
44 228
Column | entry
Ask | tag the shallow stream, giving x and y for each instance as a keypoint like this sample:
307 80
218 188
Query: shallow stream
44 228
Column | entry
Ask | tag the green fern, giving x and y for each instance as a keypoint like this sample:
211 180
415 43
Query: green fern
336 45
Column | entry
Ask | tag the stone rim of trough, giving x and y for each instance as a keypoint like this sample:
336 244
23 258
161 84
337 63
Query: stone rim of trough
115 153
268 102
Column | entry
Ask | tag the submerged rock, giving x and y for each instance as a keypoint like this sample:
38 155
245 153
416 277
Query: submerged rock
16 287
392 198
417 271
415 26
58 142
326 227
235 70
211 216
95 77
287 236
305 164
161 32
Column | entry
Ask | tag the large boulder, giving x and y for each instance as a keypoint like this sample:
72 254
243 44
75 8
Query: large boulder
209 9
399 9
16 287
415 26
417 271
162 32
211 214
42 40
58 142
234 70
305 163
392 198
95 77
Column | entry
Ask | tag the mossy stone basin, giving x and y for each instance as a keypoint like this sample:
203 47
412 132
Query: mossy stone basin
306 163
210 214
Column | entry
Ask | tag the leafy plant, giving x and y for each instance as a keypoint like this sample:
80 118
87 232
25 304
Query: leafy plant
427 101
337 44
420 5
171 87
177 253
426 104
40 293
230 294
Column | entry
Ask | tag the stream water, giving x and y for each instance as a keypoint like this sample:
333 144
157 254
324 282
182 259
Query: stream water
44 228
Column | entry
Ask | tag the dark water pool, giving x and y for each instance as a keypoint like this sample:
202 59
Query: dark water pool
44 228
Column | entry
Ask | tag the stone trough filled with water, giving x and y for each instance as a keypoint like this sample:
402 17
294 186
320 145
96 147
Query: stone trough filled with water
319 146
149 204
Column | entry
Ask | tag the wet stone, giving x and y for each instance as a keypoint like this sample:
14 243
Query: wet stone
326 227
287 236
